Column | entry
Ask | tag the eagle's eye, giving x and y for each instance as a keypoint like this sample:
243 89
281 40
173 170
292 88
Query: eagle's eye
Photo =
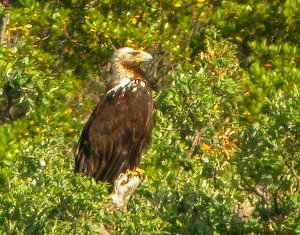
133 52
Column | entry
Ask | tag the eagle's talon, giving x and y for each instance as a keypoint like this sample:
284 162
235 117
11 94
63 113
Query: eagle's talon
136 172
140 171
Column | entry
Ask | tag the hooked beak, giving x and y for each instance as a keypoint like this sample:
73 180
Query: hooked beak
146 57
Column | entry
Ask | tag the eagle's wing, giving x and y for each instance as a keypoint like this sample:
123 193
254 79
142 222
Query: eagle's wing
115 134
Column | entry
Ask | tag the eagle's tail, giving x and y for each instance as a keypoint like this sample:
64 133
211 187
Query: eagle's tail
83 162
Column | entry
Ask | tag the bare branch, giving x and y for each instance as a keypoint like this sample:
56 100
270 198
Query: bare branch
3 34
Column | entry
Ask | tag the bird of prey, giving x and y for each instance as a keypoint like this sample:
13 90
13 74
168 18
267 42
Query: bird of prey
119 129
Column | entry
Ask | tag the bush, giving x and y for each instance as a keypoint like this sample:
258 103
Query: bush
224 157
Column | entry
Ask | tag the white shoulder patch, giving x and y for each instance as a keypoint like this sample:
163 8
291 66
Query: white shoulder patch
143 84
124 82
134 89
122 85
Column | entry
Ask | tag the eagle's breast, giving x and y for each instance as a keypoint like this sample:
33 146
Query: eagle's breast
127 85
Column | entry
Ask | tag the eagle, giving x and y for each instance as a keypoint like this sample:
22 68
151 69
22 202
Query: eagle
119 128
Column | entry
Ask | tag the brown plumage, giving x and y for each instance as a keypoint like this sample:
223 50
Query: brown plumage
119 128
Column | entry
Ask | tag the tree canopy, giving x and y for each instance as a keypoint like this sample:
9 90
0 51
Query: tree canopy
225 151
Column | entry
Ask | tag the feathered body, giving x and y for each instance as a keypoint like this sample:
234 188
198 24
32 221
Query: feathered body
119 128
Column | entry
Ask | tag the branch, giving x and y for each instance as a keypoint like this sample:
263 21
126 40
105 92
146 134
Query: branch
5 22
124 187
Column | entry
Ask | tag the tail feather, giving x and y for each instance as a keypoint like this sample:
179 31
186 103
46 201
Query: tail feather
83 164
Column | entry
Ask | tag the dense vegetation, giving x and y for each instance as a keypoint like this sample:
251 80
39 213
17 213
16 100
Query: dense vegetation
225 152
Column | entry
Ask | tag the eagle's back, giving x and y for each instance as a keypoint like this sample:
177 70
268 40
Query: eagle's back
116 133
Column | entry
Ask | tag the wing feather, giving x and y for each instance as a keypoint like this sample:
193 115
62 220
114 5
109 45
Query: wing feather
115 135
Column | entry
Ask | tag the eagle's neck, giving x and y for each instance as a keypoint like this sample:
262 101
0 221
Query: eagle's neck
122 74
124 77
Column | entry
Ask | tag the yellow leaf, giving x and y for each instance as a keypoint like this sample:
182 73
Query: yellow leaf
178 4
206 147
134 20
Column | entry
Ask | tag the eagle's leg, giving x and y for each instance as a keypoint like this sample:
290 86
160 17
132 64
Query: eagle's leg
124 187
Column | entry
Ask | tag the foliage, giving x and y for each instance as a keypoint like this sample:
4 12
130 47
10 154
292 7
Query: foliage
225 152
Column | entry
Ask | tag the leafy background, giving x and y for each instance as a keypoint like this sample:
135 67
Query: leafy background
224 157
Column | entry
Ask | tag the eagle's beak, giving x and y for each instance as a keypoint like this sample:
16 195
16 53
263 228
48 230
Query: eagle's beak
146 57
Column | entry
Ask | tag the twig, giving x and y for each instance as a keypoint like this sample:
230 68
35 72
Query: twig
5 22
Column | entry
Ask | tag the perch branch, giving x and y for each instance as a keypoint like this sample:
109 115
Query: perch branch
124 187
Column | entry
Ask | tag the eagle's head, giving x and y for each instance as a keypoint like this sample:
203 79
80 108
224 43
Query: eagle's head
127 56
126 63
